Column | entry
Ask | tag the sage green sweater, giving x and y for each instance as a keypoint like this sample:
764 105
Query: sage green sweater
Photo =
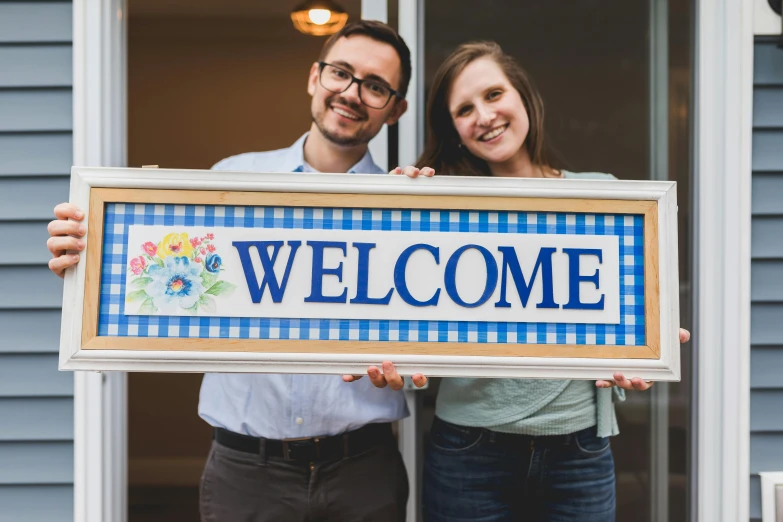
530 407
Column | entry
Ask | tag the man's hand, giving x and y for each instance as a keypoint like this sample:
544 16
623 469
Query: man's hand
389 377
66 234
636 383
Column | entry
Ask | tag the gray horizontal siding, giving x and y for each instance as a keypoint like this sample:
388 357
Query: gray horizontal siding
767 145
767 193
36 463
765 454
768 64
765 319
35 110
766 408
50 503
29 243
34 375
30 287
755 492
36 419
765 365
36 66
53 21
31 198
764 228
766 280
36 153
767 107
766 315
30 331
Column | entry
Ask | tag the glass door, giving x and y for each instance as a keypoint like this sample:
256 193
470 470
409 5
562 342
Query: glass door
616 81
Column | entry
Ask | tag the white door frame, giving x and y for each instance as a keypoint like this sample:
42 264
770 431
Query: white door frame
99 139
723 113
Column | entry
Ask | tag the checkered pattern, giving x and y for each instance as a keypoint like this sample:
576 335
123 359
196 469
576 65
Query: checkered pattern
119 217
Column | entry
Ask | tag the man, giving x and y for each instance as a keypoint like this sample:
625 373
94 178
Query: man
305 447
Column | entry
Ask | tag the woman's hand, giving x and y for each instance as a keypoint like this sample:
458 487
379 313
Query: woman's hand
413 172
389 377
636 383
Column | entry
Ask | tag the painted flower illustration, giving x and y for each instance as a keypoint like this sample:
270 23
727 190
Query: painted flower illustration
177 274
175 245
177 282
137 265
150 248
213 263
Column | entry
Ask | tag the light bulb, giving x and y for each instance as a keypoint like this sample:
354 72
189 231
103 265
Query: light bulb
319 16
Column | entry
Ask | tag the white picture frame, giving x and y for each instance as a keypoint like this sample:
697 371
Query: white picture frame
770 480
81 348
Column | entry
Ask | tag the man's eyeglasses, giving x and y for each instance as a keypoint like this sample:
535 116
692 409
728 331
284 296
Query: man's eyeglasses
373 94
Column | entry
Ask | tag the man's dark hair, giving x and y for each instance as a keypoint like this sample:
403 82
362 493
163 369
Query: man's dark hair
382 33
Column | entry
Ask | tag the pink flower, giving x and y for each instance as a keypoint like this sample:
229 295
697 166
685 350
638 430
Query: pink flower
211 248
194 242
150 248
197 260
202 251
137 265
210 236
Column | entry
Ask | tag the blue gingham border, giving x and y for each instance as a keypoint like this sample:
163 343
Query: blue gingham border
118 218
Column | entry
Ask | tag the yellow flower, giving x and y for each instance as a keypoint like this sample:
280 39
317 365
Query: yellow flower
175 245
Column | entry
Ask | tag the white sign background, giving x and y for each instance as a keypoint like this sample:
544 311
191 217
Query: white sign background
423 275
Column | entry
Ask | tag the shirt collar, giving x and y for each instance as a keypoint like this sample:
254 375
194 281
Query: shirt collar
295 162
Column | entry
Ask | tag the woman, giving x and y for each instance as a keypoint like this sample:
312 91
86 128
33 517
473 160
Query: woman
508 449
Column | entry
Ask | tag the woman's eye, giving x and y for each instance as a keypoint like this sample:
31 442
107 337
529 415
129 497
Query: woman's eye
463 111
494 94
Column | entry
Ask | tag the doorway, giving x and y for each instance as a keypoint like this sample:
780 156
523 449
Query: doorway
206 80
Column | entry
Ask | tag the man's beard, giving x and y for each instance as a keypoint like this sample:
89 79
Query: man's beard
361 137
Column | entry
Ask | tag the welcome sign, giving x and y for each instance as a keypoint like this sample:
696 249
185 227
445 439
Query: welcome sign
331 273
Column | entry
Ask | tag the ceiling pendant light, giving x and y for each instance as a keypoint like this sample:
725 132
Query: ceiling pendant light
319 17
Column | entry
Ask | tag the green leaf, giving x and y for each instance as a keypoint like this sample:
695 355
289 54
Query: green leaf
147 307
221 288
141 282
158 261
207 303
193 309
208 279
137 295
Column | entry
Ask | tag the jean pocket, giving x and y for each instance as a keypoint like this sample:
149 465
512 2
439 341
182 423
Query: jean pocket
589 444
452 438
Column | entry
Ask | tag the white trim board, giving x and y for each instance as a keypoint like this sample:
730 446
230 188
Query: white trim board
99 138
723 95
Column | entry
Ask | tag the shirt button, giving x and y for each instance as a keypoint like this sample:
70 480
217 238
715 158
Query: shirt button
299 420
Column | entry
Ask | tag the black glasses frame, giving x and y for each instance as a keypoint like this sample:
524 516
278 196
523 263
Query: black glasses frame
357 81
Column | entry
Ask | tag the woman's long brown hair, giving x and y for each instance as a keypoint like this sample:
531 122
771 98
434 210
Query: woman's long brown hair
442 150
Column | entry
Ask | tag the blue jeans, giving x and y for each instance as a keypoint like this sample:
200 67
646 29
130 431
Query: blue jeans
478 475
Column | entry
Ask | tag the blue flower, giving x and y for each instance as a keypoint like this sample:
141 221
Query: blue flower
213 263
176 284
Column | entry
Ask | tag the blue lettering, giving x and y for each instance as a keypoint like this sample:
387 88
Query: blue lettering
277 290
399 275
574 278
316 280
363 278
451 276
511 262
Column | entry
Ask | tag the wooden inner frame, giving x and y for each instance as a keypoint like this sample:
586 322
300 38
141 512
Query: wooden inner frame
99 197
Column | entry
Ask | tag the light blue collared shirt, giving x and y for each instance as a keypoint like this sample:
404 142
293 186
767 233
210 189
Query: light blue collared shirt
292 406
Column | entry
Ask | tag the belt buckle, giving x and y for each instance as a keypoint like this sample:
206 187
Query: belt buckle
301 442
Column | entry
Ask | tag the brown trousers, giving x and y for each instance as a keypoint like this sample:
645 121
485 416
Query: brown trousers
244 487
